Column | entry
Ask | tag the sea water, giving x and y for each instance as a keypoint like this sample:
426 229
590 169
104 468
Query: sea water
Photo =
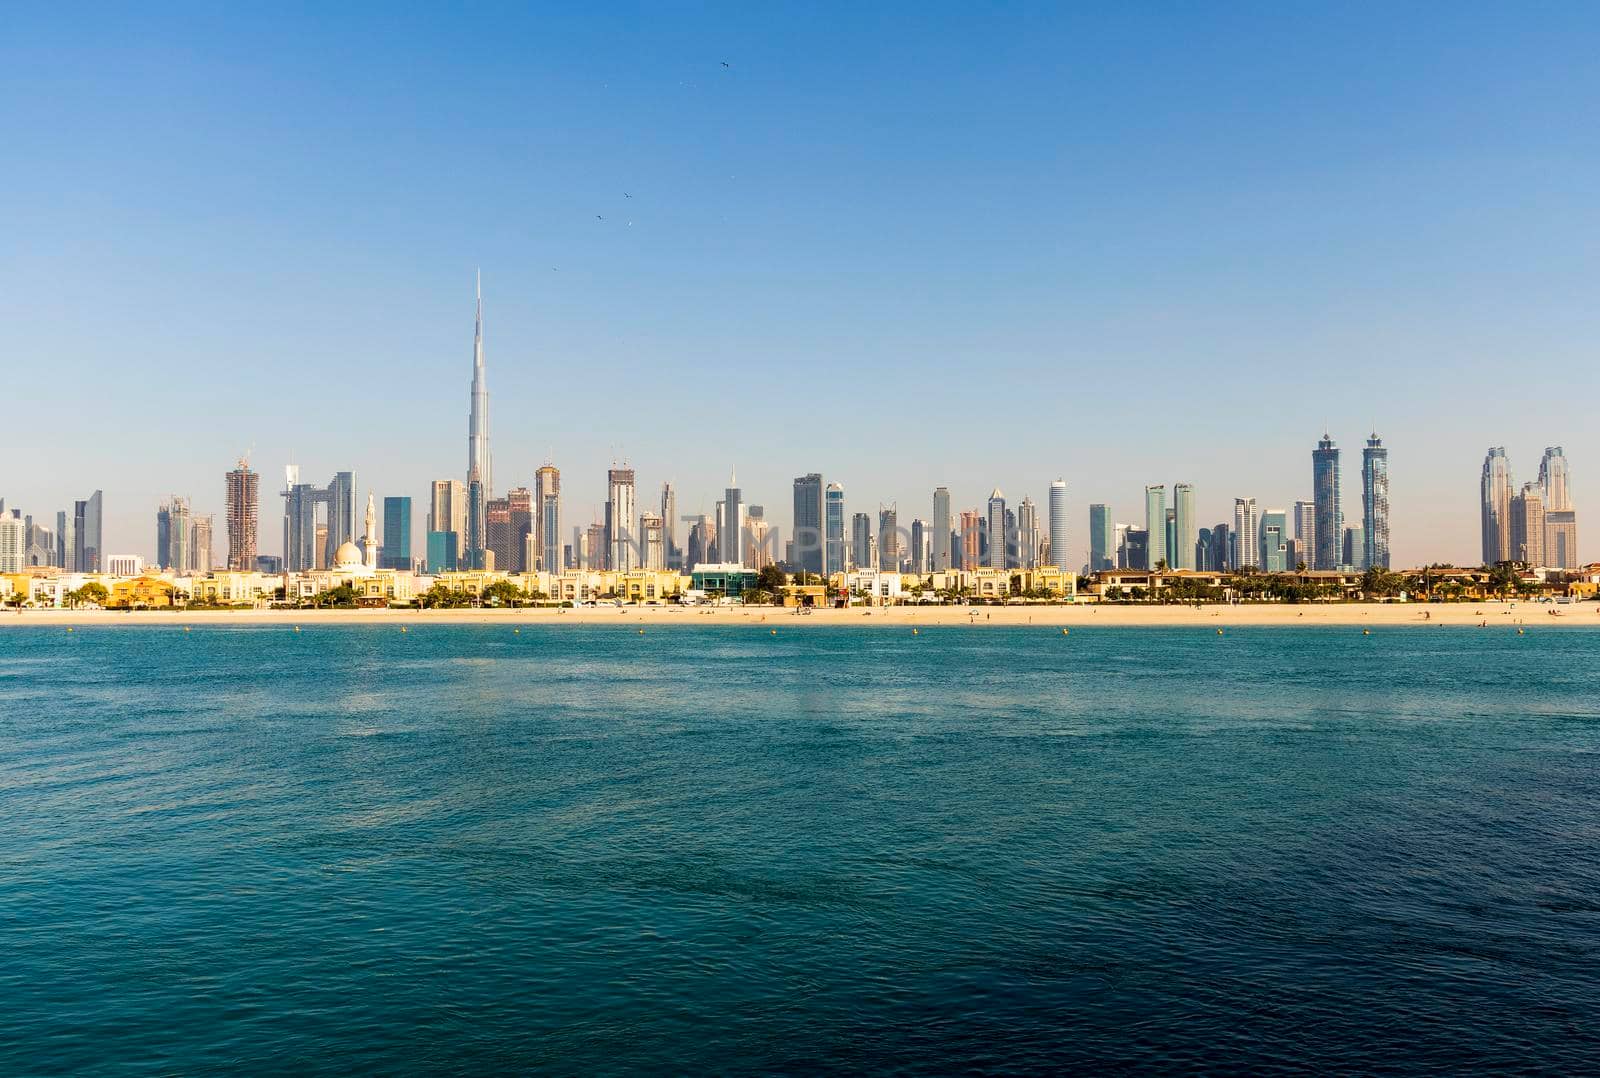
586 849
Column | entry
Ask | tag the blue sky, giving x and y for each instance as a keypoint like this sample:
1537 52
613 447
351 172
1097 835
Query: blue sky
901 245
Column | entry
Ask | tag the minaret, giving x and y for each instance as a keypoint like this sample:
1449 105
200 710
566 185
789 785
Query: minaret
478 419
370 544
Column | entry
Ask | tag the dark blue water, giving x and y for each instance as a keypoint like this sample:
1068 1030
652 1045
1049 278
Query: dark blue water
581 849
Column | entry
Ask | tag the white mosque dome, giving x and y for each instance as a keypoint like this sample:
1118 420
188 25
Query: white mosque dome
348 556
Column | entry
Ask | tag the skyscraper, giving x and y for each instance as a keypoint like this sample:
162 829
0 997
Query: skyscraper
396 533
920 548
475 548
1102 538
669 527
66 542
808 523
447 525
861 541
520 502
941 529
1375 503
1354 549
479 459
547 516
13 540
1553 479
88 555
995 556
1527 525
1060 555
1325 494
972 539
889 538
701 542
652 542
200 529
730 529
1155 526
1305 534
621 512
1246 534
1274 542
1495 506
242 506
341 503
1221 546
1184 527
833 510
172 534
1027 534
1560 519
499 542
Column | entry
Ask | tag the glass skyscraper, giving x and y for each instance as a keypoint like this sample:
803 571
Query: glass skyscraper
1274 541
1184 528
1102 538
808 513
87 535
995 556
941 529
1155 526
1495 491
834 542
1325 494
1375 504
1060 555
396 534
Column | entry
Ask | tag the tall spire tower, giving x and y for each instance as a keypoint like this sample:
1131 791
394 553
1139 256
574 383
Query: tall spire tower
478 460
478 420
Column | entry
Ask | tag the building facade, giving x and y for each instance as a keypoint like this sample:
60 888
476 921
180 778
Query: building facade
1155 525
396 534
1185 528
242 507
1495 506
808 534
1325 497
942 528
1246 534
1375 503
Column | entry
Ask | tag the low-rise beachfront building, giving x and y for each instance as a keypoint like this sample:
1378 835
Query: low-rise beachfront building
149 592
1110 584
807 595
229 588
875 586
730 580
1049 581
649 586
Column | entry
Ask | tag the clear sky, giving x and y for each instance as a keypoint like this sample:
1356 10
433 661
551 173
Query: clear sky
902 245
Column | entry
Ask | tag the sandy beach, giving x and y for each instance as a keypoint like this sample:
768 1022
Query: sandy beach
1365 615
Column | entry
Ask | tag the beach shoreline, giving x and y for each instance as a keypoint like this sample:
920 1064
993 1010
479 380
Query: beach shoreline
1212 615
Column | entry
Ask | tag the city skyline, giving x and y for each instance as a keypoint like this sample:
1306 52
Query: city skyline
1108 198
521 531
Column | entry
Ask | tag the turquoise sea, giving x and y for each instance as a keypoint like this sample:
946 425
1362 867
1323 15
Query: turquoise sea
582 850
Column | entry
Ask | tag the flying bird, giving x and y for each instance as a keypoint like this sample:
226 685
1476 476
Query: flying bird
725 63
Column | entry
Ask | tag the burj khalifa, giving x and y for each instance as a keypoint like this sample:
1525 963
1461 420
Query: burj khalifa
479 483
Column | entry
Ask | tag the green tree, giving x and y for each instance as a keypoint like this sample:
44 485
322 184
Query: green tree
343 595
1502 578
771 578
1380 582
502 593
93 593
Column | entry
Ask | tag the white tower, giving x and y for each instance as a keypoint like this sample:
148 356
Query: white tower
370 544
